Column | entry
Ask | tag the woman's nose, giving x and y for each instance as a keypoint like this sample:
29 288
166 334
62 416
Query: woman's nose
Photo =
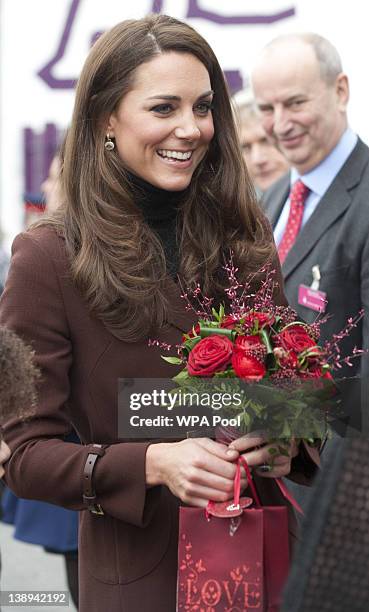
188 129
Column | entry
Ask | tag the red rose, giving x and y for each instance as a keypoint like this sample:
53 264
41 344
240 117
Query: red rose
295 338
248 343
286 359
248 358
264 318
212 354
229 322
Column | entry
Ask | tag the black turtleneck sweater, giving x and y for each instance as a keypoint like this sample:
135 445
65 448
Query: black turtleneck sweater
160 211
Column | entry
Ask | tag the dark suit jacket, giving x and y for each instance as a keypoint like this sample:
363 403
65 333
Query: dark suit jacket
336 237
128 558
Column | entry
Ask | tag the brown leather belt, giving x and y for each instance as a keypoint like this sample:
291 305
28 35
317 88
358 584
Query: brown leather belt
89 495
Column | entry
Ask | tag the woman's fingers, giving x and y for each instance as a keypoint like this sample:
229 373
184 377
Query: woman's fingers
201 477
203 493
227 453
276 471
247 442
194 468
199 469
271 453
276 457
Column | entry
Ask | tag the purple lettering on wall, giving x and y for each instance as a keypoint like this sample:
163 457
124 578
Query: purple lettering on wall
39 150
46 72
234 80
157 6
194 10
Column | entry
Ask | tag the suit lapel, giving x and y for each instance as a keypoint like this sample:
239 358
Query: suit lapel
274 203
332 206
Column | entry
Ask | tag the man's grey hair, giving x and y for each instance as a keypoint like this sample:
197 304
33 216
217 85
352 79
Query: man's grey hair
329 61
244 107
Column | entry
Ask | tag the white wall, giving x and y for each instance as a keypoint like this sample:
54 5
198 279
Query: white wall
30 32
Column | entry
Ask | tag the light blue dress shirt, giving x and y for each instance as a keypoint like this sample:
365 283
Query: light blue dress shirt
318 180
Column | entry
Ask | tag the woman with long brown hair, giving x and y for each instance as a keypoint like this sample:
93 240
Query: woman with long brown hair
153 187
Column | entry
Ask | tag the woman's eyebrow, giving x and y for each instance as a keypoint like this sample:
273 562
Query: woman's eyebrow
178 98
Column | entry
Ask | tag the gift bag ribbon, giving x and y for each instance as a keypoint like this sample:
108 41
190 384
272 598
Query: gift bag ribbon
231 510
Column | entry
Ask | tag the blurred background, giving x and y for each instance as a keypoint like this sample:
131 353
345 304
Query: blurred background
44 44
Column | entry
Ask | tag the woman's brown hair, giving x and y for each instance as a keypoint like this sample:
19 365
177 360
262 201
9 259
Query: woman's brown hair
117 262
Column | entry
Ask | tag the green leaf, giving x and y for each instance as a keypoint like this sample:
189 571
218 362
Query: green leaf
295 323
286 431
191 342
211 331
173 360
228 373
283 451
246 419
265 338
296 404
181 377
215 314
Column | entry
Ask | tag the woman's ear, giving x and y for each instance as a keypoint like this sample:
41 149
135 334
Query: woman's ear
110 127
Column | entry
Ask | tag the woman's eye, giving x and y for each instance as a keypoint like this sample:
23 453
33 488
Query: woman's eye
162 109
204 107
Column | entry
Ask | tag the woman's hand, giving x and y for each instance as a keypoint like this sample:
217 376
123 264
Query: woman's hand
258 454
4 456
195 470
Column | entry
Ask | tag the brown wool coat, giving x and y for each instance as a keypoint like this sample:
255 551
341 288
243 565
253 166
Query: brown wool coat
128 558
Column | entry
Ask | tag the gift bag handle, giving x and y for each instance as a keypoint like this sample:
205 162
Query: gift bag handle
282 487
237 488
288 495
242 461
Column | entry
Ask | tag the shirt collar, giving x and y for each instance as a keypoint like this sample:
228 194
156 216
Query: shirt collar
319 178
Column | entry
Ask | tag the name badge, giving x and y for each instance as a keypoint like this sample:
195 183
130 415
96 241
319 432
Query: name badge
311 297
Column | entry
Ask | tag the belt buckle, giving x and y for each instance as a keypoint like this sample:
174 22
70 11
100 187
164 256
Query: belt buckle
97 509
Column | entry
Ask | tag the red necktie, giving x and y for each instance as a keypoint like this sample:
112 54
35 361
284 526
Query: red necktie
298 195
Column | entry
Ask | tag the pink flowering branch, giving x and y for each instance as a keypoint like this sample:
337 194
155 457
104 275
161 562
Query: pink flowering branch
162 345
193 296
332 349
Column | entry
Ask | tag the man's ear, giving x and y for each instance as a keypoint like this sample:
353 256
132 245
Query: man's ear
342 91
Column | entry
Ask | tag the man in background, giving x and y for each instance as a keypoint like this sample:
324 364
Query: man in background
320 209
264 162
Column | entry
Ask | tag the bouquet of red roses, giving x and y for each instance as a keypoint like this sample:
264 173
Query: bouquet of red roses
288 375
